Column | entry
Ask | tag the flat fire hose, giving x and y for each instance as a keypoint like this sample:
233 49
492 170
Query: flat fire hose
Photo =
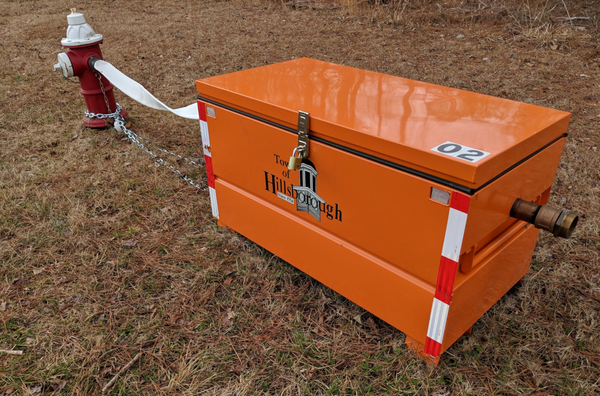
137 92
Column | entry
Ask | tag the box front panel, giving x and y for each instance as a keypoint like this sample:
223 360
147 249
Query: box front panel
391 294
385 212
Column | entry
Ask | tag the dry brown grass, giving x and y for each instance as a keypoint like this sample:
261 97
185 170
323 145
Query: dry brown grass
103 255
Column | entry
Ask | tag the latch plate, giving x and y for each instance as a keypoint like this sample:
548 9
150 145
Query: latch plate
301 151
303 123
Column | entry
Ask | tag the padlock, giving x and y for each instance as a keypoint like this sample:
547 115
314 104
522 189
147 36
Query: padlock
295 162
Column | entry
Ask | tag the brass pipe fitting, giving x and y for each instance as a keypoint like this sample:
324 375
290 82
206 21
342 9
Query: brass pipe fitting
559 222
568 222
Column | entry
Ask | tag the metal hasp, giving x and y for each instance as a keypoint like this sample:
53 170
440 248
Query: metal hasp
303 122
561 223
302 150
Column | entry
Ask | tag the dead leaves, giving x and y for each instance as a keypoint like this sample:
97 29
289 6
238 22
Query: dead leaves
129 243
20 281
229 317
43 389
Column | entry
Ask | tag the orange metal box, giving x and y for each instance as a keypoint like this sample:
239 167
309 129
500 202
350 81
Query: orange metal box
403 203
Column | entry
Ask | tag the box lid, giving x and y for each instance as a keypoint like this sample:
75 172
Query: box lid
458 136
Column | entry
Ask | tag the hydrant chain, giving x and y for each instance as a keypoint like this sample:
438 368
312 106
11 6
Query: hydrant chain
69 80
99 77
101 116
121 126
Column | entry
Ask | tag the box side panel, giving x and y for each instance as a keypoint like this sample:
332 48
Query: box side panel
393 295
475 293
490 207
388 213
521 150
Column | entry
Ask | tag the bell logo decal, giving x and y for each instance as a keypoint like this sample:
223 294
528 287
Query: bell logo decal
307 199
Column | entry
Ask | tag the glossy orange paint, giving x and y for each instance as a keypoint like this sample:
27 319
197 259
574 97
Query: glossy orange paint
376 235
392 117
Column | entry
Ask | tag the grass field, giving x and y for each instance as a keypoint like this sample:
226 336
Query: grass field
104 255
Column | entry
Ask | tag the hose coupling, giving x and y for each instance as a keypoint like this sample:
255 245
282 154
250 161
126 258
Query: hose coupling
559 222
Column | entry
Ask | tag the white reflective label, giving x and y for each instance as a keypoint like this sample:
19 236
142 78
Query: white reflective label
460 151
440 195
210 111
455 231
437 320
213 201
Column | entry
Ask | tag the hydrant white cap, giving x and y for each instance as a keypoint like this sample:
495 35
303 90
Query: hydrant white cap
79 32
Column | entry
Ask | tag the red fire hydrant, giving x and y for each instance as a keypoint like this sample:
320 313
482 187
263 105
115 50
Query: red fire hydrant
83 43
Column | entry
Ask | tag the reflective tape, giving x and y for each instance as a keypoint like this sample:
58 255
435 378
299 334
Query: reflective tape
205 138
445 280
213 202
210 173
455 230
453 239
437 322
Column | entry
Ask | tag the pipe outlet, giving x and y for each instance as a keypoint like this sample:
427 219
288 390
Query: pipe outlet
559 222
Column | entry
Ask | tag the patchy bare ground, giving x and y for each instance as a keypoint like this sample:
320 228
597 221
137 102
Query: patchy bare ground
103 255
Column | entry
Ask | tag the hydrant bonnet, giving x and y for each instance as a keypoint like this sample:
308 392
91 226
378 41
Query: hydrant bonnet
79 32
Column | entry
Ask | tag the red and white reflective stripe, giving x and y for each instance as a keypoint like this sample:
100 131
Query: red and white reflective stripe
455 231
210 173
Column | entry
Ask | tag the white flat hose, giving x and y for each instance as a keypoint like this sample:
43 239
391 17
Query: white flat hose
137 92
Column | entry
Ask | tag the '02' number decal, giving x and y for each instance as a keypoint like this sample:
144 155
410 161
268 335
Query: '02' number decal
460 151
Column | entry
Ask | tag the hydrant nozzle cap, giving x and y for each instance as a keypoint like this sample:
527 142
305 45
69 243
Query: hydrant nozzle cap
79 32
76 18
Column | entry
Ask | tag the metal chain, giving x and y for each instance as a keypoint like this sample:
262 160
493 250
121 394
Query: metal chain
99 77
120 126
101 116
116 114
189 161
69 80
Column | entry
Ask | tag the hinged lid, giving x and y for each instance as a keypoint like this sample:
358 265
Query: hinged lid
456 135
